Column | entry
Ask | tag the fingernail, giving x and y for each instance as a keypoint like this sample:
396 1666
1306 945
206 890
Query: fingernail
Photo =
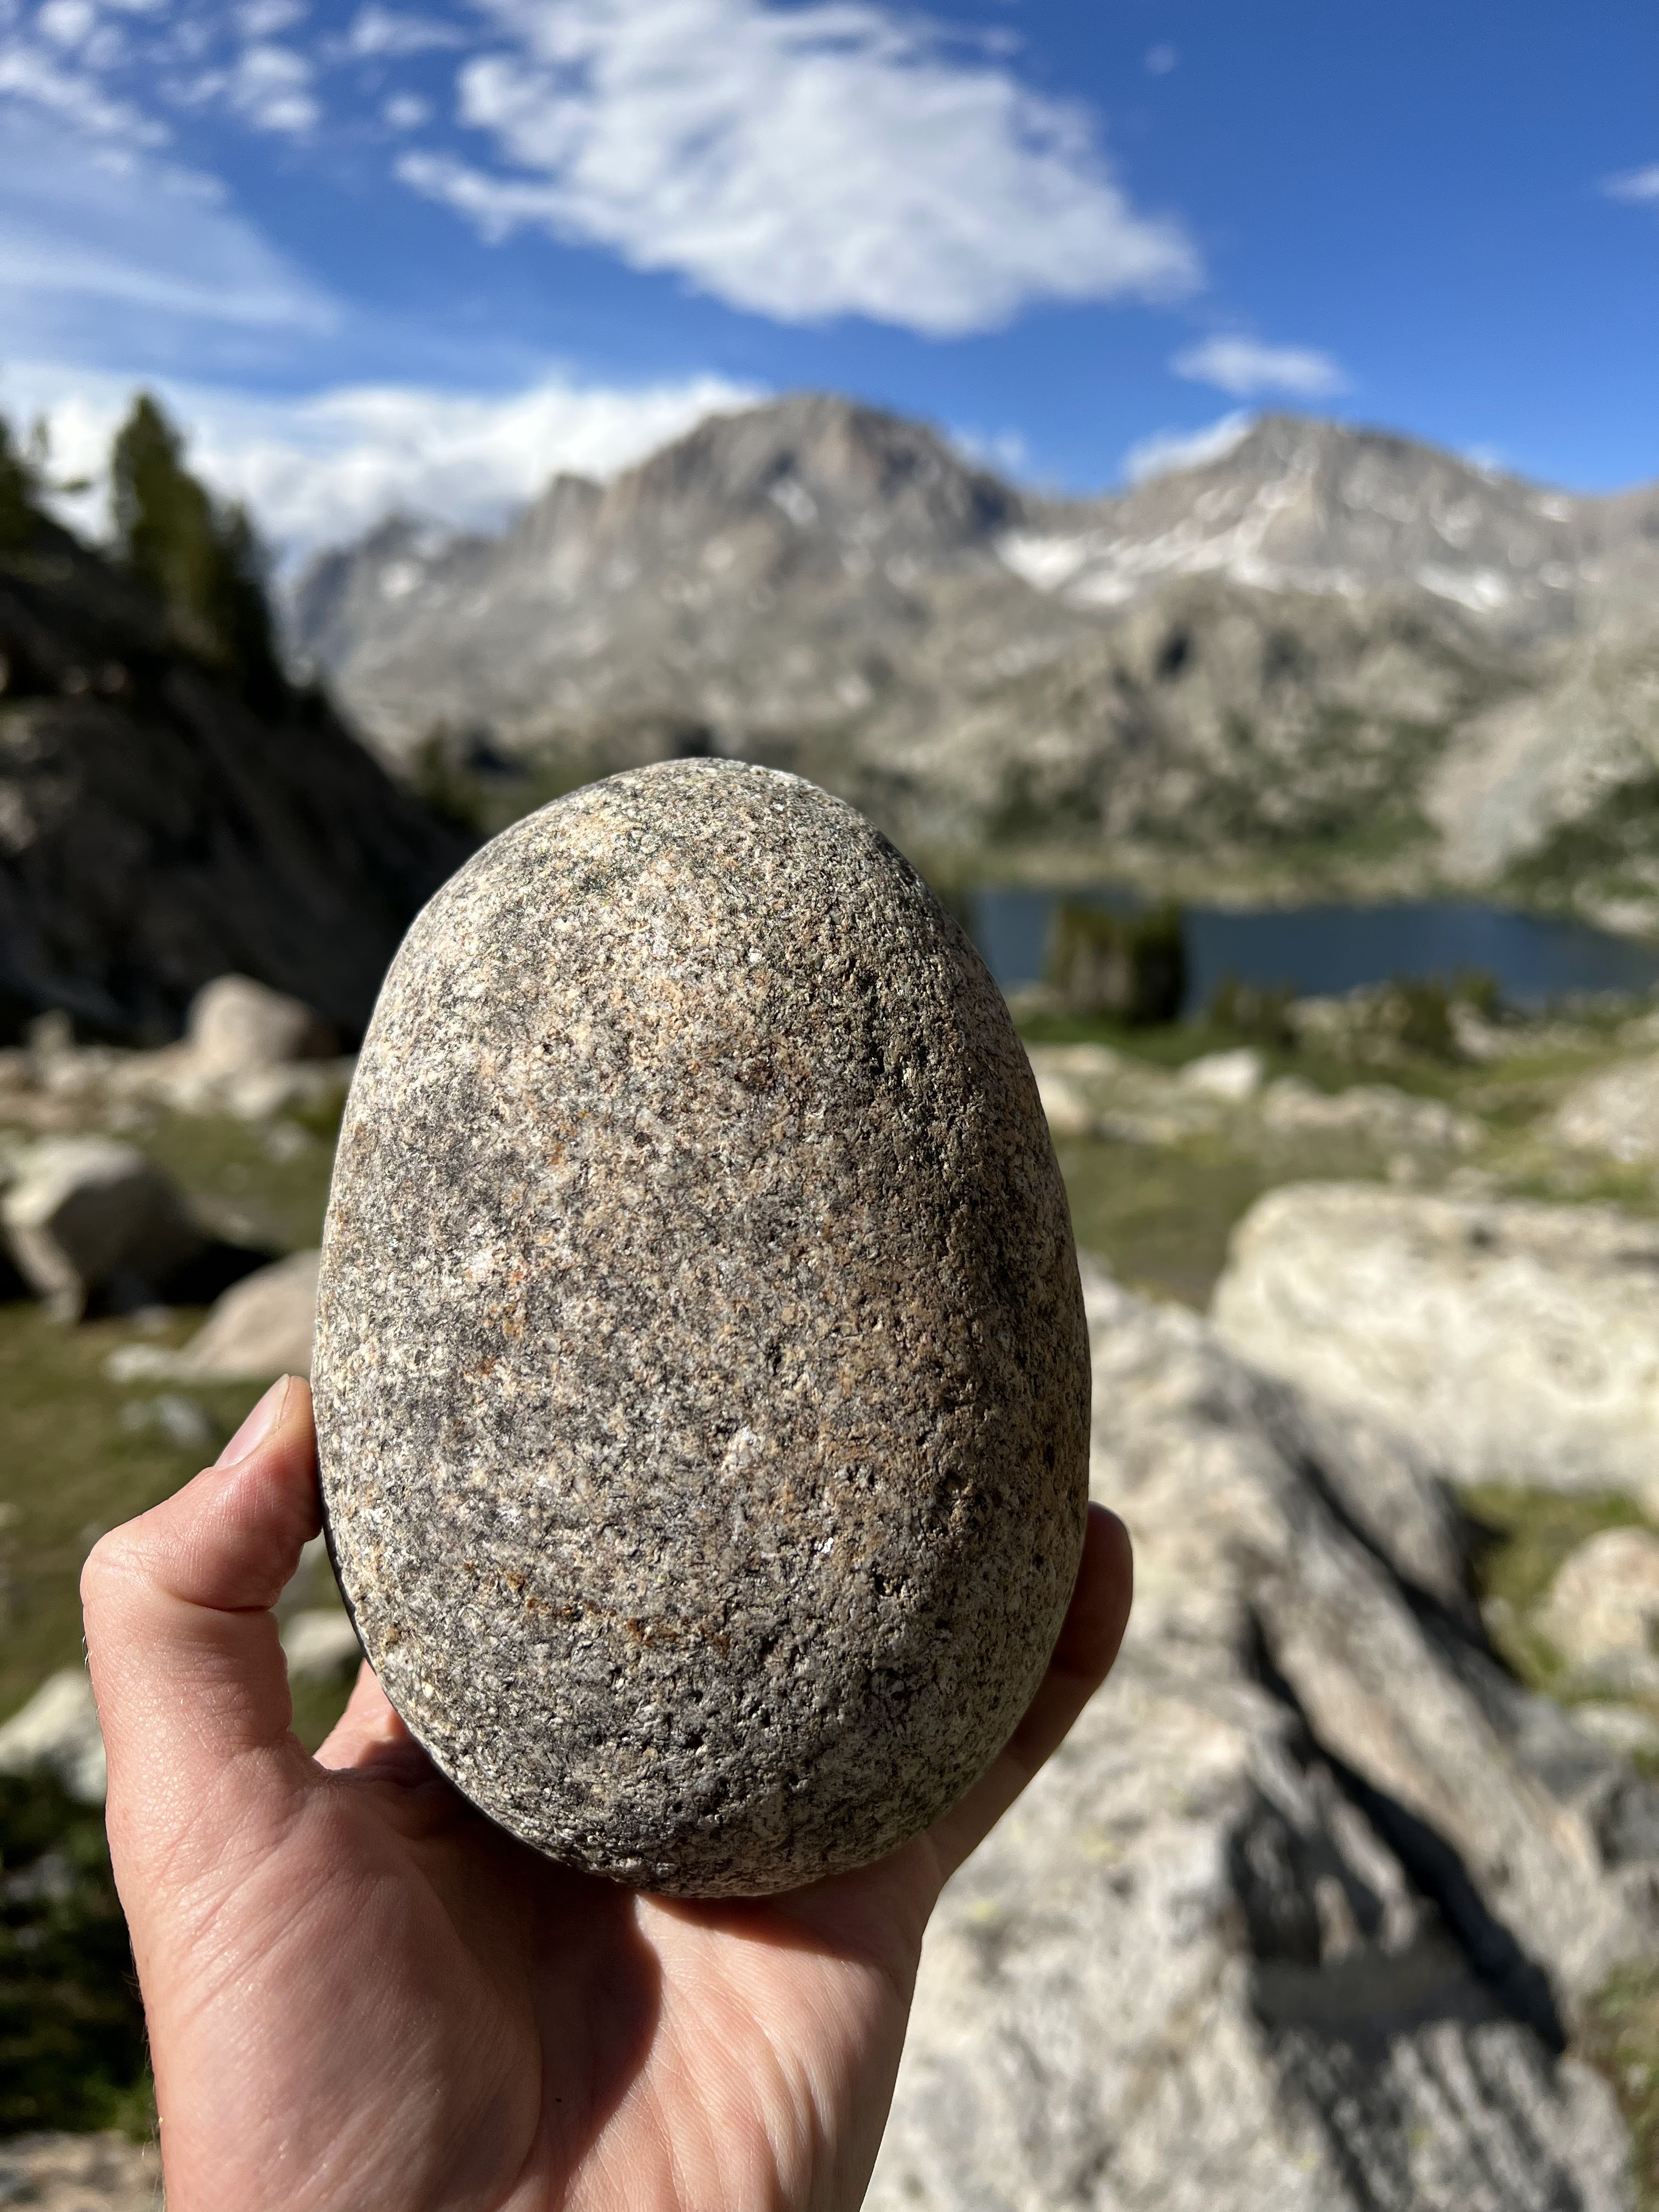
257 1425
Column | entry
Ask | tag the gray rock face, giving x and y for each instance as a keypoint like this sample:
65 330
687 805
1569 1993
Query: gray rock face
155 831
701 1369
1518 1342
85 1213
1298 1917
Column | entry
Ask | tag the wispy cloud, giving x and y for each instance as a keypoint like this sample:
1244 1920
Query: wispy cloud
389 32
1166 451
1639 186
802 163
318 470
119 227
1246 367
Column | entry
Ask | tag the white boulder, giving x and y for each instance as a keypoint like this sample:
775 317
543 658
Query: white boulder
57 1733
1232 1076
1515 1342
259 1329
86 1213
237 1027
1616 1112
1602 1609
320 1644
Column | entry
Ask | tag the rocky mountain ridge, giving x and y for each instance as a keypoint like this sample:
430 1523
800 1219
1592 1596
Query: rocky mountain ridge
1325 652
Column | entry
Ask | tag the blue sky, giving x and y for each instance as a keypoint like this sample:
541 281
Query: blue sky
425 254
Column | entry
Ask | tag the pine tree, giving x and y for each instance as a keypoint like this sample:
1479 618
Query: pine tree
202 563
18 490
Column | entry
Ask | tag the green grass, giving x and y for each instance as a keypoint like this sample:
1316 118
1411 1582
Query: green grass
1619 2034
1523 1538
1158 1216
72 2048
69 1471
248 1195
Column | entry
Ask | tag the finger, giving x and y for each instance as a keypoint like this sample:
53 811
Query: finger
186 1664
1082 1659
369 1735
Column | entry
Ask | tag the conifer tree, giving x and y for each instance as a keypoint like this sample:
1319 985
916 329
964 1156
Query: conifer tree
19 488
202 563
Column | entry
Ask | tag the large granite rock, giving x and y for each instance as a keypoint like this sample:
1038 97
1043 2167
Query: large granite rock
85 1214
1516 1342
257 1329
1300 1916
700 1373
1616 1112
1603 1608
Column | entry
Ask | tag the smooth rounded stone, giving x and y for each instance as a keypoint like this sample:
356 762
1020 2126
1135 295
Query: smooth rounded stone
701 1374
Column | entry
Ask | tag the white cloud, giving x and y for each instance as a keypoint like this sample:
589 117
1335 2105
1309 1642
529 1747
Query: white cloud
406 111
1245 367
271 86
66 22
1165 451
384 31
1639 186
263 19
317 470
39 80
1160 60
822 160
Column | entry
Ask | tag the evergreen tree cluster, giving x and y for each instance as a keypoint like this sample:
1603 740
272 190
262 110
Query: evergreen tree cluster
201 560
199 556
20 489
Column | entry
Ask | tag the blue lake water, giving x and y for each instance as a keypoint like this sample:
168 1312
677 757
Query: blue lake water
1328 948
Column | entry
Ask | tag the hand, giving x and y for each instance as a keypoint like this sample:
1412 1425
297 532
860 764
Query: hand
363 1996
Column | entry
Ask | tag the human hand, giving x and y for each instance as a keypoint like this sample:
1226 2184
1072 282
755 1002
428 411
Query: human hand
363 1996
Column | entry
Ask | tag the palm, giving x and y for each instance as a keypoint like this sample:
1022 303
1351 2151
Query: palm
364 1995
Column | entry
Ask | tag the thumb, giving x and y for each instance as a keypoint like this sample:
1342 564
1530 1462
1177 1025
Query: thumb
186 1663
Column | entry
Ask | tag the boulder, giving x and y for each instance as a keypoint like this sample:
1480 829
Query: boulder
1369 1113
1616 1112
320 1644
1603 1607
1516 1342
86 1214
1299 1917
239 1027
57 2173
57 1733
1232 1076
259 1329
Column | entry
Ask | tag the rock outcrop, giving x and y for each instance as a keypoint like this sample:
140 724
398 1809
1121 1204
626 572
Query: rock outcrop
1516 1342
156 831
1300 1918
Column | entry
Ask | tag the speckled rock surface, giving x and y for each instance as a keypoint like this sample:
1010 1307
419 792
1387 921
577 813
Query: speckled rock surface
701 1375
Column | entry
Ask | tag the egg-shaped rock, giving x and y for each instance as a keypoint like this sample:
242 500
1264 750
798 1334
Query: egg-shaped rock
701 1378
